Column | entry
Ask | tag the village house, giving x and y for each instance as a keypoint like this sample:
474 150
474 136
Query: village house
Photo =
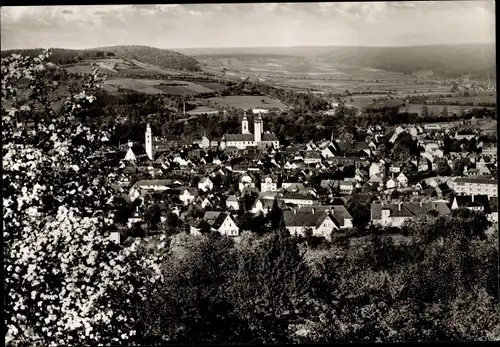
396 214
297 223
187 195
402 180
423 165
312 157
346 187
232 203
376 169
221 222
490 149
206 184
149 185
479 203
263 205
269 183
298 199
247 180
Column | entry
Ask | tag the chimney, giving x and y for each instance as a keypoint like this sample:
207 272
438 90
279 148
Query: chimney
313 210
420 203
472 197
294 210
399 206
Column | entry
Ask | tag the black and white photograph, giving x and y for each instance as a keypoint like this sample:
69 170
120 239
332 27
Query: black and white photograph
249 173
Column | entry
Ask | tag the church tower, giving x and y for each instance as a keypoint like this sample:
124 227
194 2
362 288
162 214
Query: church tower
257 126
244 124
149 142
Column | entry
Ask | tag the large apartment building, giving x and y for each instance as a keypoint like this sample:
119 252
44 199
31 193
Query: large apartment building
475 186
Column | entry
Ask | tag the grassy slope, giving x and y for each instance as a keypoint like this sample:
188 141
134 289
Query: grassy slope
154 56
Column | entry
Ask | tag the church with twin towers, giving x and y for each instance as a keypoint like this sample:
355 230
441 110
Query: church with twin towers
259 138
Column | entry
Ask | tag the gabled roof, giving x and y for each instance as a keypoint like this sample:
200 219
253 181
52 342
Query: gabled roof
479 200
292 195
479 180
312 155
215 218
338 213
157 183
238 137
303 219
269 137
411 209
360 145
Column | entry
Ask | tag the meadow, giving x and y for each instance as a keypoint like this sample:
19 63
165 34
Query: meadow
438 109
474 99
248 101
170 87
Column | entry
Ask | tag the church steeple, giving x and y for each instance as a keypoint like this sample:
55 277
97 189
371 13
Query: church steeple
149 142
257 126
244 124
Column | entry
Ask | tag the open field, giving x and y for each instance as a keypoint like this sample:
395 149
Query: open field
149 86
302 73
474 99
248 101
438 109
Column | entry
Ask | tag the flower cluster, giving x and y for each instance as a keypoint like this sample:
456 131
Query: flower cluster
65 280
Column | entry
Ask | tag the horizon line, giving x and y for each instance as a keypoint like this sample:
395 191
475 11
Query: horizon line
256 47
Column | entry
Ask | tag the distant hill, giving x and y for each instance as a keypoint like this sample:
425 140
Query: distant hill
148 55
451 61
446 61
154 56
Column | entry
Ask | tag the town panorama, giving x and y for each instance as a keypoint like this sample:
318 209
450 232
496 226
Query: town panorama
259 173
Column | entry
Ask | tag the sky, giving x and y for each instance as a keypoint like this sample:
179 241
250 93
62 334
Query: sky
404 23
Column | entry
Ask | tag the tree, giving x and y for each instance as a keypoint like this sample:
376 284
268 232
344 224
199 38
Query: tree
425 112
360 213
445 112
401 152
458 167
60 266
443 169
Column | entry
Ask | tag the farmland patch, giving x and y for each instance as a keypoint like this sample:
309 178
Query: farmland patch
248 101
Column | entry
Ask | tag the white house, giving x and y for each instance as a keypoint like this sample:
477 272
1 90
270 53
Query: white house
298 199
391 183
346 187
375 169
268 184
221 222
402 180
130 156
206 184
247 180
187 196
321 220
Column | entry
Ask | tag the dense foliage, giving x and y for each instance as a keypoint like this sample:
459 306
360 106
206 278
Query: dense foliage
65 280
61 56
